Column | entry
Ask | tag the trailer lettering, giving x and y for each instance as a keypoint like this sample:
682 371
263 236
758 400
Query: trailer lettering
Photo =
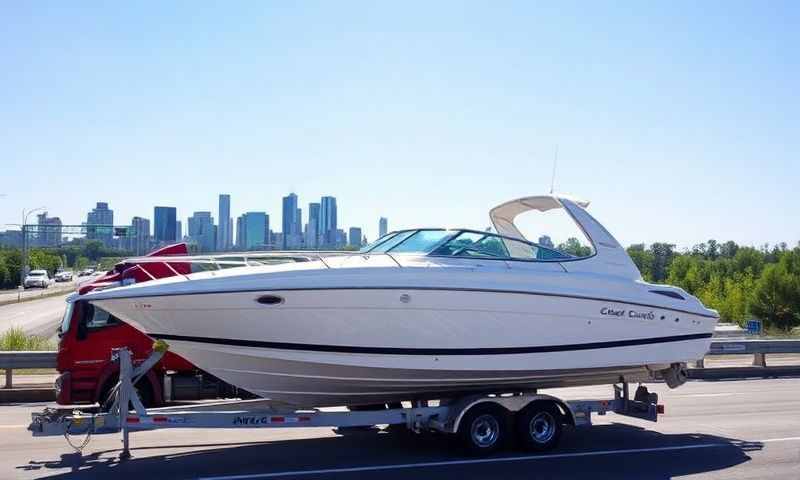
250 420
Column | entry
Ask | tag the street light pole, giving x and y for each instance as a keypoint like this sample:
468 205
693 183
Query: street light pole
23 230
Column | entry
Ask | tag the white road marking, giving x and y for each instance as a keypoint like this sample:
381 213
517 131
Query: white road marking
704 395
297 473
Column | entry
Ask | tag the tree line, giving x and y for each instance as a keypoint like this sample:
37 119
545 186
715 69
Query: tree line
739 282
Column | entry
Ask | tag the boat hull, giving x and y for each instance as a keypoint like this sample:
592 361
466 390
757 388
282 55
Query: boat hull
366 345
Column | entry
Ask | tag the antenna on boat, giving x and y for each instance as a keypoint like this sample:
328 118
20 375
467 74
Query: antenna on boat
553 178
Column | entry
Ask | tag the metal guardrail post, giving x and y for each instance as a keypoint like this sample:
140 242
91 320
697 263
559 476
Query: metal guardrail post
9 377
700 363
760 359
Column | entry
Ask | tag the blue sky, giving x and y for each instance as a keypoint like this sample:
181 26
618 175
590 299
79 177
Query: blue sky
679 120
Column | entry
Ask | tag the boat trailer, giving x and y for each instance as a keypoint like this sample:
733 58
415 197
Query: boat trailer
484 422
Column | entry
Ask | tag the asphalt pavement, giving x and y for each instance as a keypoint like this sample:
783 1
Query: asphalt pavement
711 430
36 317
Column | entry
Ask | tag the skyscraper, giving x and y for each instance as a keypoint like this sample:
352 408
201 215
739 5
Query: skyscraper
355 239
291 222
49 232
241 233
99 224
256 225
201 231
165 224
312 227
224 232
140 242
383 227
327 218
178 231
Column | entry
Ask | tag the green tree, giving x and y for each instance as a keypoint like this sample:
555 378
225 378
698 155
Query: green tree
663 254
42 259
748 259
573 247
643 259
776 297
93 250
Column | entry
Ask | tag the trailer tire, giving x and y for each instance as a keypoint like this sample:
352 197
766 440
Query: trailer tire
485 429
539 426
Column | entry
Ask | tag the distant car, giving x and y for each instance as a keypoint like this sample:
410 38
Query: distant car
36 278
65 276
85 272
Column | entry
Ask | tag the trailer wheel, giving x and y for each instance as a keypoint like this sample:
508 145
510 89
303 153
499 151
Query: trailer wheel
539 426
484 429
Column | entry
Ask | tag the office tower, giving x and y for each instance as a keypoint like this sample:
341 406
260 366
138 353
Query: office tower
165 225
178 231
355 239
49 231
291 222
546 241
383 227
328 226
241 235
201 231
312 227
256 225
224 232
11 238
140 241
267 232
99 224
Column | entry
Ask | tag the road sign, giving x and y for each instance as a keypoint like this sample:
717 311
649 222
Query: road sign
754 327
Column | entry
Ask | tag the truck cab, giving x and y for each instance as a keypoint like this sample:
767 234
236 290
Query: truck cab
88 334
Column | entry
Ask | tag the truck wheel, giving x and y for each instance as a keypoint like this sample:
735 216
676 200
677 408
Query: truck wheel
484 429
143 388
539 426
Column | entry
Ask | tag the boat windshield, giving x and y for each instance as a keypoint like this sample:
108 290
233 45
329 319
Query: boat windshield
462 243
370 246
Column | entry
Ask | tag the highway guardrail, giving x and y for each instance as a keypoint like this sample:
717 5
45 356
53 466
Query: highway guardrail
758 348
9 361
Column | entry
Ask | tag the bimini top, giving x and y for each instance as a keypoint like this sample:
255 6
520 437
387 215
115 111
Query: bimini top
609 257
503 215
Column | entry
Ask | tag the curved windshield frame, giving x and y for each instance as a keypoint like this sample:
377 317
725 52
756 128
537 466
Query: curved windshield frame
370 246
464 243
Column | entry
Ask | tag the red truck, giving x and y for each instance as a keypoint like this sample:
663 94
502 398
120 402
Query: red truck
88 334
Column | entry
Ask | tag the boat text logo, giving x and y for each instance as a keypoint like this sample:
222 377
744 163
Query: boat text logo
613 312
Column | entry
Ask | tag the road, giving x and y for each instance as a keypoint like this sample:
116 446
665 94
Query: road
40 316
13 294
36 317
711 430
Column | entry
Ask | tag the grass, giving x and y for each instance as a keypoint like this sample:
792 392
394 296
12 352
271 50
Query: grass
16 340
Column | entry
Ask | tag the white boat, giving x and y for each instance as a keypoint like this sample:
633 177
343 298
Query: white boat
426 313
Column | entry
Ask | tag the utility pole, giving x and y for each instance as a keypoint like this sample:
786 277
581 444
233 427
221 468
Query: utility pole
24 231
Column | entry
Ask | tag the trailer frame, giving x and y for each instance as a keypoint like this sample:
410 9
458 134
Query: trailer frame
128 414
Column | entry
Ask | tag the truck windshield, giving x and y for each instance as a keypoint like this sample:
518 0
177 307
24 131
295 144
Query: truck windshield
65 321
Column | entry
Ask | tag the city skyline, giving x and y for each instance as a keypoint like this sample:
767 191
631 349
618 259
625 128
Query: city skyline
253 228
